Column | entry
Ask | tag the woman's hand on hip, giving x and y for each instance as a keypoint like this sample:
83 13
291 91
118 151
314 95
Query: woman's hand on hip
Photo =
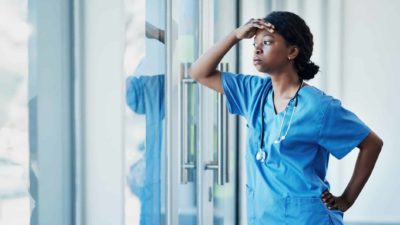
335 202
249 29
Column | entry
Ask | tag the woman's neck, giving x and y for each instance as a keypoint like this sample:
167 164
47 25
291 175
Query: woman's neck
285 85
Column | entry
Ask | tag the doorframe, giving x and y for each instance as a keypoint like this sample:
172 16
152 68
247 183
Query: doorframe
99 35
51 106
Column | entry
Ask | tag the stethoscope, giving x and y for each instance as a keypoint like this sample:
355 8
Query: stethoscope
261 154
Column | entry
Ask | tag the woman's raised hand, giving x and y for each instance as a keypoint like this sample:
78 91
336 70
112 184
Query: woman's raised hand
249 29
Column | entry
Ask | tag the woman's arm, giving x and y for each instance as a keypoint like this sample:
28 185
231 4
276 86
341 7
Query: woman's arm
153 32
370 148
204 69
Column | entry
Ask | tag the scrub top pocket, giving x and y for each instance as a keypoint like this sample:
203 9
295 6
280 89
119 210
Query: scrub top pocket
306 211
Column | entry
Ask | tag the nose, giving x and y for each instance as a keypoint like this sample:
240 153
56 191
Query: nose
257 49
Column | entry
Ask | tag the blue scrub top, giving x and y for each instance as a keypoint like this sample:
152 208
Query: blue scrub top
286 187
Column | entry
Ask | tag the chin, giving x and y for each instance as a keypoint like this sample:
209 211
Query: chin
262 69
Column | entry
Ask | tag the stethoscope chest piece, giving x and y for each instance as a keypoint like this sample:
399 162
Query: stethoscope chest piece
261 155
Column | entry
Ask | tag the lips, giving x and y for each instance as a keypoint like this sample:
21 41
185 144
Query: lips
256 61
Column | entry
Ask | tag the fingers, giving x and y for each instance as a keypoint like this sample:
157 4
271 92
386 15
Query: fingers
266 25
335 203
329 200
261 24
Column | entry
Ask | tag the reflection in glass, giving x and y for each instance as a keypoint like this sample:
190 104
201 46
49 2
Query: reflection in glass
14 152
225 196
144 69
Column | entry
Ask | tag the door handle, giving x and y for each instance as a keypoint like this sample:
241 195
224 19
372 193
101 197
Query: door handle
221 166
188 130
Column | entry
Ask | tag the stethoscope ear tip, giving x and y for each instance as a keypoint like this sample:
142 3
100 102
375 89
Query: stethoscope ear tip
280 139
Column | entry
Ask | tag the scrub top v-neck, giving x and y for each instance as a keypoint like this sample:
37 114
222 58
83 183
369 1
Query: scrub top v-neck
286 187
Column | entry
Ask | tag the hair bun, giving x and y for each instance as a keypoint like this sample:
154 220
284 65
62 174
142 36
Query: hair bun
309 70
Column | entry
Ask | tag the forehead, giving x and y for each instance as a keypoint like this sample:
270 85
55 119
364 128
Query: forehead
261 33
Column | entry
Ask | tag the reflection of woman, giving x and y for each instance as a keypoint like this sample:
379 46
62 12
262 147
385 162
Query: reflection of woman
292 126
145 95
153 32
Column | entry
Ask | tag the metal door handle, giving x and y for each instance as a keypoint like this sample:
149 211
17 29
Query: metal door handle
221 165
186 165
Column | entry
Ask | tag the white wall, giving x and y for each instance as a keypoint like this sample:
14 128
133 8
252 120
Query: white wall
356 45
370 84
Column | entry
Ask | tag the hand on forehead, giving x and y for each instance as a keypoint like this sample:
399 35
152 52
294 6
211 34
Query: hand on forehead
261 24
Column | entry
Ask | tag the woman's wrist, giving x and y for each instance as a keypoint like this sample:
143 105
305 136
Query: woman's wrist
236 33
348 199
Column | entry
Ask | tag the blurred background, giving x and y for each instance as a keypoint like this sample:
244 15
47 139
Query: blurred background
100 122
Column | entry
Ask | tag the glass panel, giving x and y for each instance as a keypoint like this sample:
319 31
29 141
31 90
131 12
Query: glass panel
144 145
189 126
225 196
14 149
185 107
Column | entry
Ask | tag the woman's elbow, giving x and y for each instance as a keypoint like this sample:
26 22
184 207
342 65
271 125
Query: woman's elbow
377 144
380 143
194 74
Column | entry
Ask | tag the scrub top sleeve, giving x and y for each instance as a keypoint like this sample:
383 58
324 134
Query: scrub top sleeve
134 94
238 91
341 130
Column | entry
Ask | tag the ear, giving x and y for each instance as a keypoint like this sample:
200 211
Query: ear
293 51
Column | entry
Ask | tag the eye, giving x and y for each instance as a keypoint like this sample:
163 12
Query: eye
266 42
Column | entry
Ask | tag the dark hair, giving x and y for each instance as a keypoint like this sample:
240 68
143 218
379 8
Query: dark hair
296 32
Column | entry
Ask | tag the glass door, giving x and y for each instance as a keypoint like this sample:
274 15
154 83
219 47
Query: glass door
220 128
184 104
200 136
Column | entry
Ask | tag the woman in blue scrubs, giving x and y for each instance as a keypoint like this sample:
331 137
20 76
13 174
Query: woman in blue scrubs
292 127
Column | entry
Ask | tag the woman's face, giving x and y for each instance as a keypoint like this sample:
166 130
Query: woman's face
270 52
